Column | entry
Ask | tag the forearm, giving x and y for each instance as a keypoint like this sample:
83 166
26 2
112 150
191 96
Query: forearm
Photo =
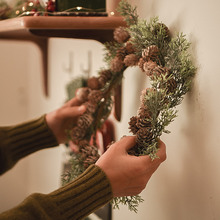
75 200
21 140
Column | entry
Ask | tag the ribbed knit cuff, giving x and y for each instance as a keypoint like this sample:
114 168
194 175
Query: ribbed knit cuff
87 193
23 139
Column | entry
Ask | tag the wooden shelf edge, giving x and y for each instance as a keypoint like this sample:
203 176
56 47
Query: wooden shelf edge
38 29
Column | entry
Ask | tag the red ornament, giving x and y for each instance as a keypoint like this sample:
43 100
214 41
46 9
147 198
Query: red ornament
50 6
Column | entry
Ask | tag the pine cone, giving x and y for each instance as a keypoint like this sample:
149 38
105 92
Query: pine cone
90 160
132 125
105 76
143 95
117 64
83 144
90 107
146 92
143 122
158 71
151 53
121 53
144 136
141 63
121 35
89 150
129 48
82 94
162 28
77 134
95 96
131 60
84 121
89 154
171 85
143 112
93 83
149 67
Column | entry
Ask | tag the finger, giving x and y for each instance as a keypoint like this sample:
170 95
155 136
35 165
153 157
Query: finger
74 111
127 142
161 153
74 102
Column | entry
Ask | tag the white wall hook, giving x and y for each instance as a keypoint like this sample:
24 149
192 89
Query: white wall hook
87 71
69 66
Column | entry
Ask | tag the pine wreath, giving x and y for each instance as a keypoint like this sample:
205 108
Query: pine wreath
164 59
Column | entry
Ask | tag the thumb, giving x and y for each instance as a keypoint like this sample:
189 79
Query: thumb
75 111
127 142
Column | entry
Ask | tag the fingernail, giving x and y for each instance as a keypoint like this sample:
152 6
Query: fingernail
82 108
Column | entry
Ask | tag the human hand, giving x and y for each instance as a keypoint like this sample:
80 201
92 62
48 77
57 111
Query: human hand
129 174
64 118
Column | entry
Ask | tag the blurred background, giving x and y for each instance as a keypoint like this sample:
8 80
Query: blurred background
186 186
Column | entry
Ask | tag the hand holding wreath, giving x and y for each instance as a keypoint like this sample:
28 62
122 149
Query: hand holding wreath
127 179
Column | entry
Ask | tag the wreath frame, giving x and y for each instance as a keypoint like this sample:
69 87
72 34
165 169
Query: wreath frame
166 61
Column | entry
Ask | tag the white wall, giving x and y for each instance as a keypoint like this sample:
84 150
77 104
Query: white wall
186 187
13 99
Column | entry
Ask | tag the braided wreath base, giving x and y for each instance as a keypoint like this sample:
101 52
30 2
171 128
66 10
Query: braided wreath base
164 59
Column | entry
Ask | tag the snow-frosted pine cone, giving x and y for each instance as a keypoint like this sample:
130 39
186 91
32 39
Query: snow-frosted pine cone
171 85
84 121
105 76
131 60
141 63
121 35
159 70
149 67
144 136
129 48
83 144
143 122
90 107
93 83
90 160
95 96
77 134
117 64
145 93
121 53
82 94
89 155
143 112
151 53
89 150
132 125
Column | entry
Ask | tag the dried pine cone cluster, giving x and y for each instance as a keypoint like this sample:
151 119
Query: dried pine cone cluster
91 96
140 125
88 153
149 62
125 55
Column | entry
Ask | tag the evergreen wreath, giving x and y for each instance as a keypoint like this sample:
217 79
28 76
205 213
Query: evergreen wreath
164 59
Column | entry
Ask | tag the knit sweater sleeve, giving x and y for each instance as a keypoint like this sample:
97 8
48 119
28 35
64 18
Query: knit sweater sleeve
74 201
23 139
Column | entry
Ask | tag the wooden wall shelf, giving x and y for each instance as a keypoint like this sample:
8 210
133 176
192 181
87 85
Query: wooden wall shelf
39 28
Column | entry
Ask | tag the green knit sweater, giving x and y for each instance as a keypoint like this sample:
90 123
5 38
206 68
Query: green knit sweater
75 200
